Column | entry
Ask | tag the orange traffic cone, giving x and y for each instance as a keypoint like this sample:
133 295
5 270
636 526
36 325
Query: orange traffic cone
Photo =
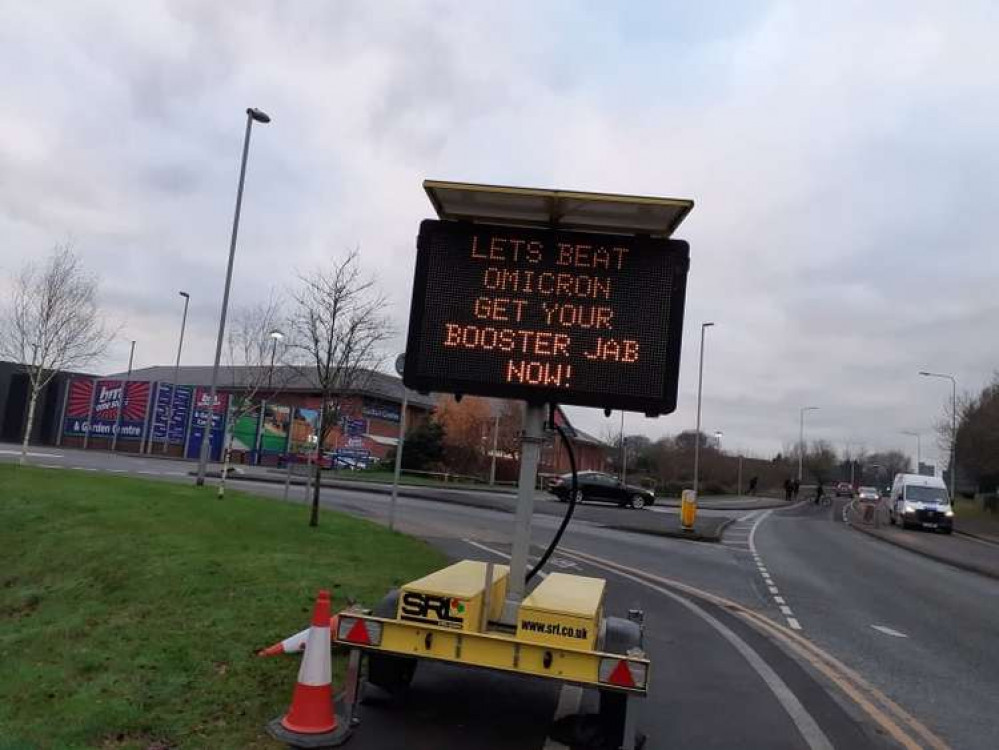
295 644
311 721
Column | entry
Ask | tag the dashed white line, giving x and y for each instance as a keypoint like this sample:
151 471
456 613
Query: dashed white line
51 466
778 599
889 631
774 590
793 624
785 610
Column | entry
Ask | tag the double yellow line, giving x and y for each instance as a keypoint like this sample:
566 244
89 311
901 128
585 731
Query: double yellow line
898 723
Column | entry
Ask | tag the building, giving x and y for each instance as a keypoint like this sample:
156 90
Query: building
270 412
15 393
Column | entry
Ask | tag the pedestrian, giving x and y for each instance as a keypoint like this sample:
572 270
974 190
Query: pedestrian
796 488
819 492
788 489
752 485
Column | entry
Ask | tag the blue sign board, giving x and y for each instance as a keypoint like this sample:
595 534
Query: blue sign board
181 412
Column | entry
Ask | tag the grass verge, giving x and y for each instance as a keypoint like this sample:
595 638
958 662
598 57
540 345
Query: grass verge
130 611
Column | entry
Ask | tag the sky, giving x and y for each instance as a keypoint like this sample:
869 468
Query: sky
842 157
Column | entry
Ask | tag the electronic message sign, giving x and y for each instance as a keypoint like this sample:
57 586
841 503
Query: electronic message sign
547 316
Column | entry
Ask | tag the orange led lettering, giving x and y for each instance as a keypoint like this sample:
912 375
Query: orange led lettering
564 284
620 252
538 373
534 251
481 308
492 278
453 336
604 315
601 258
496 249
475 249
630 353
583 256
564 254
601 287
560 344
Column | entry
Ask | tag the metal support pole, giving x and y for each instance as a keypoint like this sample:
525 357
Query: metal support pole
203 457
121 401
176 372
801 441
492 464
697 435
739 491
530 451
953 441
398 458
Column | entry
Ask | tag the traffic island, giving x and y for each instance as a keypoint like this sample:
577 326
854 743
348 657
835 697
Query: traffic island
132 610
706 528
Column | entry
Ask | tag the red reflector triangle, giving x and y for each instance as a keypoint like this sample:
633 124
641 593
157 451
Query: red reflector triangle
359 634
621 675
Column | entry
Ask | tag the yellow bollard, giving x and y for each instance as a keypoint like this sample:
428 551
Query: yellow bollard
688 510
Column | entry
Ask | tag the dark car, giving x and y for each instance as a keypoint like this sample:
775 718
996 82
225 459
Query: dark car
600 487
844 489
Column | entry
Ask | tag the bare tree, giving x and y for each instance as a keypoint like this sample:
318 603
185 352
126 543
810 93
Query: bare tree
52 323
253 344
337 327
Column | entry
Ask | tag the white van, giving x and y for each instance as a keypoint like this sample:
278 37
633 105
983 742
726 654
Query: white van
921 501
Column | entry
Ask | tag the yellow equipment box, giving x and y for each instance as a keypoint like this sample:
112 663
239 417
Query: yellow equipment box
563 610
453 597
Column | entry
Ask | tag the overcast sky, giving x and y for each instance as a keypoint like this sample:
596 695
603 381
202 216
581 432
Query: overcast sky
842 156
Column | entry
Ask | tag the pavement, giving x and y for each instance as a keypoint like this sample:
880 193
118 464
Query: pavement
794 631
977 554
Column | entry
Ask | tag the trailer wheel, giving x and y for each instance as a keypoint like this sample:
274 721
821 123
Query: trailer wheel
393 674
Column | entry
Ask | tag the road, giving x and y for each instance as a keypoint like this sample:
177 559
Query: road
795 632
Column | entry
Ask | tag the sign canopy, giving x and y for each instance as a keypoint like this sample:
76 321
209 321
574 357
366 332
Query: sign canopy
508 304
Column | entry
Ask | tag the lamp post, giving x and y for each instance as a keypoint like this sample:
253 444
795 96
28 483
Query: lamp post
176 372
252 115
718 437
801 436
121 400
275 337
953 425
919 447
700 387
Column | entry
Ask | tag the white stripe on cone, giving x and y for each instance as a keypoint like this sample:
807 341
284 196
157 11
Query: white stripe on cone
317 665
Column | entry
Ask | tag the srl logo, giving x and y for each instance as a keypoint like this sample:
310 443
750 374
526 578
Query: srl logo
433 609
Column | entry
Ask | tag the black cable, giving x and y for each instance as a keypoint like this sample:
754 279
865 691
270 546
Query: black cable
572 503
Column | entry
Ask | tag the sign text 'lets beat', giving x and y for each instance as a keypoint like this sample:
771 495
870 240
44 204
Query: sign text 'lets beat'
579 298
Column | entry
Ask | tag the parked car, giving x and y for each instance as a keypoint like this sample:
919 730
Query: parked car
922 501
844 489
600 487
868 494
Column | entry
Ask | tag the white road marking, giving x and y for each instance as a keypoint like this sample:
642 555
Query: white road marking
569 699
774 590
806 724
143 471
778 599
785 610
116 471
771 587
496 552
561 562
83 468
889 631
30 454
793 624
51 466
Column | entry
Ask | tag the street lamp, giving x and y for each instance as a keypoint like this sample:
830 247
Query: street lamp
252 115
121 399
718 437
700 387
176 370
953 425
801 436
275 337
919 448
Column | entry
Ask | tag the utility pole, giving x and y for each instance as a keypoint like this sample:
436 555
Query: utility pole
121 400
697 436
